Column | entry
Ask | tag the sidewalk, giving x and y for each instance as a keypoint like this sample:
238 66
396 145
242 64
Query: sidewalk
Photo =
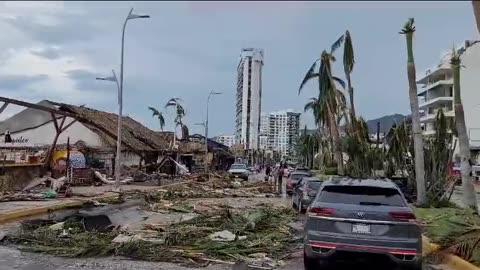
17 209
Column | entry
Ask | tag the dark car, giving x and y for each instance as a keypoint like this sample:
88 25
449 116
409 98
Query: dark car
293 179
304 192
355 219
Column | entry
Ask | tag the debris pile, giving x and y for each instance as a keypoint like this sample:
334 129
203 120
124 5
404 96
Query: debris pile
258 237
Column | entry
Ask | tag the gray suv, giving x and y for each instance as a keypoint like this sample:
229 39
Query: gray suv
351 217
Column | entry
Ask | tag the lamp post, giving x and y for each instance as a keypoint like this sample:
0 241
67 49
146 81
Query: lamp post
130 16
206 128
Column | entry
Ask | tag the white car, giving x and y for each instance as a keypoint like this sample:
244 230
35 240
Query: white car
239 170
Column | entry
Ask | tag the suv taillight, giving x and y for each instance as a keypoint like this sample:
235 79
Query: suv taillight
403 216
321 211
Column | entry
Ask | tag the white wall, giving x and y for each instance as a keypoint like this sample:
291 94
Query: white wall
470 89
45 134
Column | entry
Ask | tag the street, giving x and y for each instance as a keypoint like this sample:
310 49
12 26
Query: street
11 258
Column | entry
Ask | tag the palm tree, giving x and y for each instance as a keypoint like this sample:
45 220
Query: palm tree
180 113
159 115
327 102
408 30
348 63
476 12
467 184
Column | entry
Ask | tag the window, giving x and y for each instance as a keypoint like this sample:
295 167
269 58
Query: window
361 195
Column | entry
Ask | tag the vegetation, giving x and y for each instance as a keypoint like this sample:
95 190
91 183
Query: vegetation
456 230
408 31
180 113
159 115
265 228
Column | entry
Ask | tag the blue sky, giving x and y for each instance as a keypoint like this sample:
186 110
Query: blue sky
54 50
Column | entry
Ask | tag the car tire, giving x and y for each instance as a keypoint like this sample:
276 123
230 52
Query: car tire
310 264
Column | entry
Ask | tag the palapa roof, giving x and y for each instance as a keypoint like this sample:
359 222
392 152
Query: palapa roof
135 136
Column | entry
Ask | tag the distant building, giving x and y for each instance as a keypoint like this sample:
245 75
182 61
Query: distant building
227 140
249 97
280 131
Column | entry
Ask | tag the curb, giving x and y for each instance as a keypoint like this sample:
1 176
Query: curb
27 212
451 260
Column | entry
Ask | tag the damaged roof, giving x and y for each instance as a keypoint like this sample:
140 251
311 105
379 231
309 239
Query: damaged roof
135 136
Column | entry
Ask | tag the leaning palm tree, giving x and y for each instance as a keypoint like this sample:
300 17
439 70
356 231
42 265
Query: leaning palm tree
467 185
348 63
327 100
159 115
476 12
408 30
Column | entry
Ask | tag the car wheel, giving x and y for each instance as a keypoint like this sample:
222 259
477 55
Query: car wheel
310 264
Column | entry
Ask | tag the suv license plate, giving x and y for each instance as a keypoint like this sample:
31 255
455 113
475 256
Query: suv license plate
361 228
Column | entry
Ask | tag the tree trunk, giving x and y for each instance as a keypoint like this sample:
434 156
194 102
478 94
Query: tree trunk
417 131
476 12
352 102
336 141
469 196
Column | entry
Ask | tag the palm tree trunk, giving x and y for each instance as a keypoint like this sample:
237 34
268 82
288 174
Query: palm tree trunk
352 102
469 196
417 131
476 12
336 141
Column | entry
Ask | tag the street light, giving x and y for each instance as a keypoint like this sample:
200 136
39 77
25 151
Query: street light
206 128
130 16
112 79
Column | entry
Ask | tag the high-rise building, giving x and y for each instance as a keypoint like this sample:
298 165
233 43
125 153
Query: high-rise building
281 129
228 140
249 98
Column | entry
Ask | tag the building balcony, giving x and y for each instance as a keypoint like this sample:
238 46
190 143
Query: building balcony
430 117
424 89
435 102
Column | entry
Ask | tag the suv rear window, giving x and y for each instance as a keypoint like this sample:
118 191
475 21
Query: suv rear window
361 195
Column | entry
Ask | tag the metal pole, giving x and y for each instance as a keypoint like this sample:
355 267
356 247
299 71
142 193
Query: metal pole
120 108
206 135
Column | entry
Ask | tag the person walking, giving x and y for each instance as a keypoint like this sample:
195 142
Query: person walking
267 173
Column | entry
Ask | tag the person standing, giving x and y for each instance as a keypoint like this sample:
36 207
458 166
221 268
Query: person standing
267 173
280 178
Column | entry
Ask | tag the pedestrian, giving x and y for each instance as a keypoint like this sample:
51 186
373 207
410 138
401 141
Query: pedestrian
267 173
279 182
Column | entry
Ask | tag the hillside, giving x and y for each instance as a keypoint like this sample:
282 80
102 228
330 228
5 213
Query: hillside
386 123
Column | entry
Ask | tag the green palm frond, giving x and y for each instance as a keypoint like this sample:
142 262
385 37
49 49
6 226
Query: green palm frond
409 27
310 74
455 57
339 81
154 111
337 44
348 54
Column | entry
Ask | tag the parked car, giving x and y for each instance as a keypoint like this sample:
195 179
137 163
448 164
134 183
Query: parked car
304 192
293 179
353 219
239 170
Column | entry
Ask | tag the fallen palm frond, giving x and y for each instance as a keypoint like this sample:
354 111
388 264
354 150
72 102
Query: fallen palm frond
457 231
262 230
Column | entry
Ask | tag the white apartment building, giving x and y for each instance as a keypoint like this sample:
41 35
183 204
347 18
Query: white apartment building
228 140
437 92
283 128
249 98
